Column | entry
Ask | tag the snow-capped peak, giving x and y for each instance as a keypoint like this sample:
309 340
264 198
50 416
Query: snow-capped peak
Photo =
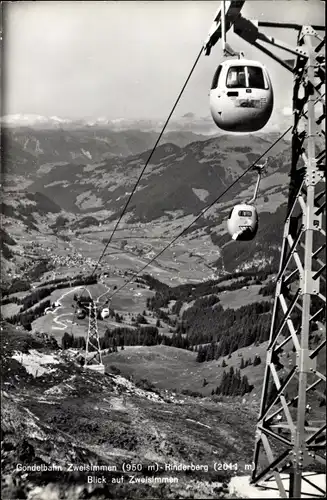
31 119
59 120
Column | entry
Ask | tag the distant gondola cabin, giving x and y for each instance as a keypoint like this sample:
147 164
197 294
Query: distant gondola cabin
242 223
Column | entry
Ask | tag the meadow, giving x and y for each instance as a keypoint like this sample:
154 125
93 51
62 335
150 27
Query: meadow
177 369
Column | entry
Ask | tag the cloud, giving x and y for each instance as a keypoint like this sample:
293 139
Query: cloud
188 115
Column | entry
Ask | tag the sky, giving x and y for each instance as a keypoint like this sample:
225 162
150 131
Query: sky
129 59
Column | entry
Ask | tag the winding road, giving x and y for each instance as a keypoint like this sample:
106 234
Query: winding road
61 324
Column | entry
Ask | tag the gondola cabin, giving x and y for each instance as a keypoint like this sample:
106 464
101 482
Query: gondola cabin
241 96
81 314
242 223
105 313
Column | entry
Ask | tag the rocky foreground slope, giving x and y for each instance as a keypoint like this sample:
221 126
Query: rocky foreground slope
59 422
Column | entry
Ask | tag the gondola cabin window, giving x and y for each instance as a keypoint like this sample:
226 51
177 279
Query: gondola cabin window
216 77
236 77
256 78
245 213
246 77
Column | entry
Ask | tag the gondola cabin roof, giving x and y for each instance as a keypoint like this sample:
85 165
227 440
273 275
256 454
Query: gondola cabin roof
242 62
244 206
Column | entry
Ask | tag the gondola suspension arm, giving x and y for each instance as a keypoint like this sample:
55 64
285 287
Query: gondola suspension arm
259 169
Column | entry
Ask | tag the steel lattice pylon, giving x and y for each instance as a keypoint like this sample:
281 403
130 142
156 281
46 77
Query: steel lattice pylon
287 440
93 357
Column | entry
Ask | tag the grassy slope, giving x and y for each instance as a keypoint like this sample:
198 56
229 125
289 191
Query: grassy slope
242 297
169 368
8 310
176 369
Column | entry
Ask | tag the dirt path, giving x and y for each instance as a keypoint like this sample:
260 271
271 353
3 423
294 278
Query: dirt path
60 323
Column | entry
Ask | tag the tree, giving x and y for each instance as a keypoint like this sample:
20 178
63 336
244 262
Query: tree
224 363
233 385
257 360
224 386
141 319
158 324
210 355
201 354
248 362
67 340
242 365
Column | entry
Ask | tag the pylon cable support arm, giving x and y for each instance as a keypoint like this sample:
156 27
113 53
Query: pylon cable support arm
294 26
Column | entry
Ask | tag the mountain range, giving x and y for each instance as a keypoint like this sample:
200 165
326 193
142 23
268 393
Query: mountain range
90 172
26 148
187 122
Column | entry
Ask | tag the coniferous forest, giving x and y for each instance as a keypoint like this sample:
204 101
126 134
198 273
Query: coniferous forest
233 384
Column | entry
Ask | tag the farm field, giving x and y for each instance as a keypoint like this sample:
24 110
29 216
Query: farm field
184 262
